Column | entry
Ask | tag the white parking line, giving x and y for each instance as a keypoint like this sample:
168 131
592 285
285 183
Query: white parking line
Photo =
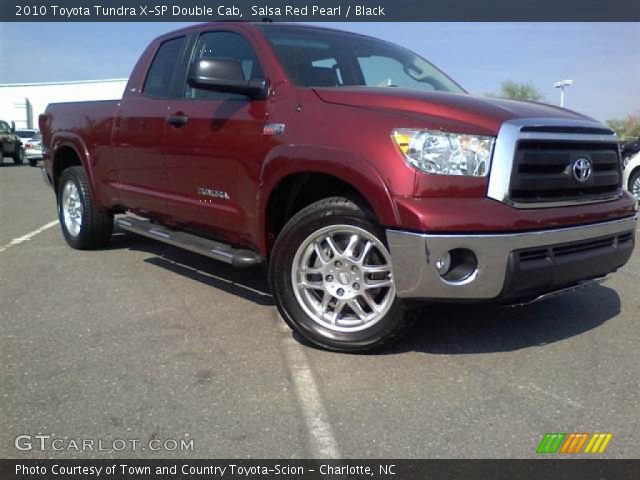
322 440
28 236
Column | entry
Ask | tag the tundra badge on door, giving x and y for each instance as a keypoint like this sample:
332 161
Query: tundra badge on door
209 192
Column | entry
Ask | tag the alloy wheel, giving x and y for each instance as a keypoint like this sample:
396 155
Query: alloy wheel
71 208
343 278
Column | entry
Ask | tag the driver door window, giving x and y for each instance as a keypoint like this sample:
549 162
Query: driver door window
228 46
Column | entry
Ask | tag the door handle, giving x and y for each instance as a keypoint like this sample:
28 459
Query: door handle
177 121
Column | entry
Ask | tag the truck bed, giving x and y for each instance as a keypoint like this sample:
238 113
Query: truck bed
92 121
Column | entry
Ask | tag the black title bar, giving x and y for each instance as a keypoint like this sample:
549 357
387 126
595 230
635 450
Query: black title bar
320 10
123 469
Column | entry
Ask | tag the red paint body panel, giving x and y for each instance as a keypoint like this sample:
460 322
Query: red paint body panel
218 148
87 131
442 215
445 111
136 161
138 153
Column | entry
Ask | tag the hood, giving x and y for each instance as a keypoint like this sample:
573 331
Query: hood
445 110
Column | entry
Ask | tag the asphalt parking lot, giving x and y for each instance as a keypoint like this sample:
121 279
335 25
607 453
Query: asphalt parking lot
143 340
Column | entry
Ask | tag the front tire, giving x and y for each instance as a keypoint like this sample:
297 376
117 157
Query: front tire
332 279
84 225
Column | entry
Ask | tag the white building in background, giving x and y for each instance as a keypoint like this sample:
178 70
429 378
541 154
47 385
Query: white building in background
23 102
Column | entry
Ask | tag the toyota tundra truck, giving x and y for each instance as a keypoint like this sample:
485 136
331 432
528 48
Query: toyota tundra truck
363 177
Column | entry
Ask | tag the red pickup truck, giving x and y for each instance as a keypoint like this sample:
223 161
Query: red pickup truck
361 174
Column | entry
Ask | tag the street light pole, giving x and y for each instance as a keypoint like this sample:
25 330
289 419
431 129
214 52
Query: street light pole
561 84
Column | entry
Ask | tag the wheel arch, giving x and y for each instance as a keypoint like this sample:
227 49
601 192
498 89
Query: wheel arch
68 149
296 176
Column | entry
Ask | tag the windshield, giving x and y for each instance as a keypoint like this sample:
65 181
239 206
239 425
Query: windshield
326 58
25 133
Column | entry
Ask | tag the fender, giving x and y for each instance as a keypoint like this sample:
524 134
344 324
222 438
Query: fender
76 143
286 160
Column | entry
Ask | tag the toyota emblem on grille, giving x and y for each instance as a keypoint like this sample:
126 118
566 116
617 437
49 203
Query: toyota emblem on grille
581 169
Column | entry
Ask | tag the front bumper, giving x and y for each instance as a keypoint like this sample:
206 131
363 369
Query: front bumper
512 267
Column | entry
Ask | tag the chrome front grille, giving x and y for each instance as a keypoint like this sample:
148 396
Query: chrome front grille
542 171
532 165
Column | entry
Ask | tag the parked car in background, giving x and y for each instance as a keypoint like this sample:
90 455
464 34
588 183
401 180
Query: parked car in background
628 148
26 134
630 154
10 143
33 149
631 164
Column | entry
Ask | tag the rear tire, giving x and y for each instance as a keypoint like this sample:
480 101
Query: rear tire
327 290
84 225
33 162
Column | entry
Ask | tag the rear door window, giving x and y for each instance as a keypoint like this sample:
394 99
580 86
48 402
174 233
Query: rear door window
160 75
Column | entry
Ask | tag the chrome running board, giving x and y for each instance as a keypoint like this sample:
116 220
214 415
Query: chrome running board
194 243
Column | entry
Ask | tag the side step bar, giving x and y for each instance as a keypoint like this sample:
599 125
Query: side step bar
203 246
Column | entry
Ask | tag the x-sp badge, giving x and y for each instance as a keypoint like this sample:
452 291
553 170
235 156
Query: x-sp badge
273 129
581 169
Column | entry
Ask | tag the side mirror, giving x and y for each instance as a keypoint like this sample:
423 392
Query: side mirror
13 127
222 75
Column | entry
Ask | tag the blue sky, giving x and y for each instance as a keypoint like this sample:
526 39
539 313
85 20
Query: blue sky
603 59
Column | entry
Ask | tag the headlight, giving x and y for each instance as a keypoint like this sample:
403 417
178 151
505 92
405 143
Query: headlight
445 153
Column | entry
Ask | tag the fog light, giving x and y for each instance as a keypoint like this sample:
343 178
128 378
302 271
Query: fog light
443 264
458 267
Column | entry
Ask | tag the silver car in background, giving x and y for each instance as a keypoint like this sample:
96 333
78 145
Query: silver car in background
631 174
32 144
26 134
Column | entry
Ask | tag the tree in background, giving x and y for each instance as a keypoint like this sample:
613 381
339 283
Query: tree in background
626 128
518 91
